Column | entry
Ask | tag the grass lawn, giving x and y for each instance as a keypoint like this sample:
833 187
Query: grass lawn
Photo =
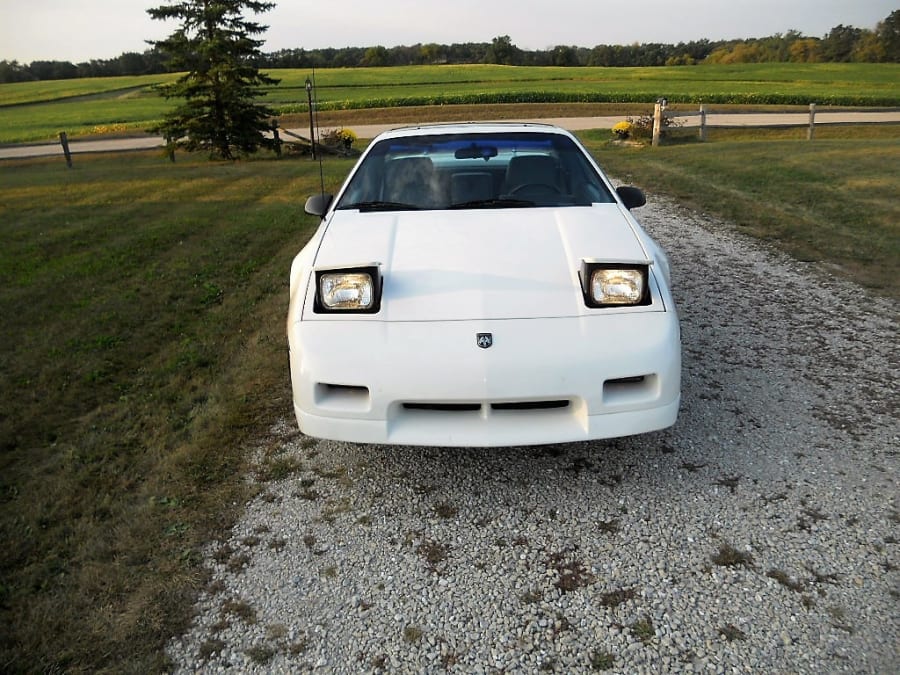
832 200
143 310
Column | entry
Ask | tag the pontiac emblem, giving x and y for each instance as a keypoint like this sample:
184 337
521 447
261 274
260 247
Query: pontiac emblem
484 340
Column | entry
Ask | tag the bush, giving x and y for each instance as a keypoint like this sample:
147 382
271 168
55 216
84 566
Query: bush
642 127
338 137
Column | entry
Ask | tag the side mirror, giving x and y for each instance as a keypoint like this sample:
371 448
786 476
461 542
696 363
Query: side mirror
632 197
318 204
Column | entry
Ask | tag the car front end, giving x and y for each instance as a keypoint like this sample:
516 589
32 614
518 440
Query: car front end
501 311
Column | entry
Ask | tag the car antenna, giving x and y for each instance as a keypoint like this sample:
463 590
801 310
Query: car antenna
316 139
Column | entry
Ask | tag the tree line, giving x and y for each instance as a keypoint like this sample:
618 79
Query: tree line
840 44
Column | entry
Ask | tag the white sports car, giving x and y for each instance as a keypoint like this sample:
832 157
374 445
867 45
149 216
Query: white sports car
481 285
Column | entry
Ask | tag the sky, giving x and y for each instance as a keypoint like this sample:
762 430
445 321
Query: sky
81 30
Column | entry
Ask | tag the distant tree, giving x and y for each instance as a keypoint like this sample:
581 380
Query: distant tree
680 60
503 51
216 47
839 44
868 48
842 43
13 71
738 52
563 55
128 63
602 55
779 46
132 63
805 50
375 56
888 32
652 54
53 70
433 53
696 49
347 58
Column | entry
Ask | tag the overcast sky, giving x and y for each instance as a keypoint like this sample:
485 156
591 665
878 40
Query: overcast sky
80 30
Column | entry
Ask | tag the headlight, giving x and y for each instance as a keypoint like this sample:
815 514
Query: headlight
617 287
346 291
356 290
615 284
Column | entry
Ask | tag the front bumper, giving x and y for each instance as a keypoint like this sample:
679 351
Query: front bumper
542 381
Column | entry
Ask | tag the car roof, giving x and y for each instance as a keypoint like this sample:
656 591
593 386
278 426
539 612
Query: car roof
472 128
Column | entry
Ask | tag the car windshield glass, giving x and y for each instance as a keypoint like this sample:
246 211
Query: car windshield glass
473 171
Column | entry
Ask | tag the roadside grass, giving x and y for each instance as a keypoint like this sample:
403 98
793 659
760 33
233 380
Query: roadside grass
143 306
39 111
832 200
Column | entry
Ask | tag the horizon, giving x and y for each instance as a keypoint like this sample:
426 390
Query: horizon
55 30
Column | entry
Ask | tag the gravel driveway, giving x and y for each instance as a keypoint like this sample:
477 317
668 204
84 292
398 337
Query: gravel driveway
760 533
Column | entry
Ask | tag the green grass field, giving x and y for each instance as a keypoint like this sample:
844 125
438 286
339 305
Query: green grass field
781 84
39 111
144 348
832 200
58 90
143 307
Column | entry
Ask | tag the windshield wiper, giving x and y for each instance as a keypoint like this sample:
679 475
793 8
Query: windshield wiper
381 206
501 203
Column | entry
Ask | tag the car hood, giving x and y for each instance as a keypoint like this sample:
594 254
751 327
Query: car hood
480 264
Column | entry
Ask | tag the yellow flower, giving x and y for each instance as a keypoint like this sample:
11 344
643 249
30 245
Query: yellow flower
622 129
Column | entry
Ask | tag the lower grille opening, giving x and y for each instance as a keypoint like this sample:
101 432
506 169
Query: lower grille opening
344 389
444 407
341 396
626 380
531 405
630 390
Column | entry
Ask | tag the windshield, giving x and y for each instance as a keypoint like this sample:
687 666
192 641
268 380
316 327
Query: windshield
474 170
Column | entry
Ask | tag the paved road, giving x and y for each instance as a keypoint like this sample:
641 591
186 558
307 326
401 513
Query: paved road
570 123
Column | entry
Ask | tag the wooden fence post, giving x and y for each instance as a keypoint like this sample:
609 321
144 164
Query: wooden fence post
277 139
702 122
657 123
64 140
812 122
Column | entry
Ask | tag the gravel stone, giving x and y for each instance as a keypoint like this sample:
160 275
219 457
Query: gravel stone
759 534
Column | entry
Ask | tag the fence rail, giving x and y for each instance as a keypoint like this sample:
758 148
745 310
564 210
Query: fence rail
702 119
795 119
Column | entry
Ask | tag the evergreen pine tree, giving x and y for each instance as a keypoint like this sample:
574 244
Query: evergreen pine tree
216 46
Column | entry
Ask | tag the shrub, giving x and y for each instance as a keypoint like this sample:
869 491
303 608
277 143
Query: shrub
338 137
642 127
